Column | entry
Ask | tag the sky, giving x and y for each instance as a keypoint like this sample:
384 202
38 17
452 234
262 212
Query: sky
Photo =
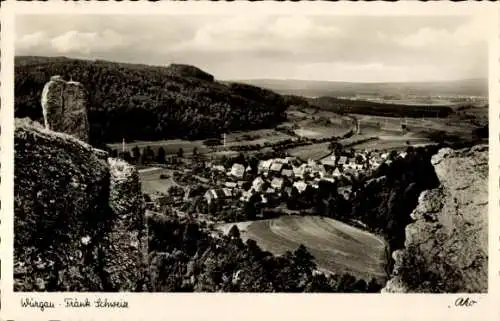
326 47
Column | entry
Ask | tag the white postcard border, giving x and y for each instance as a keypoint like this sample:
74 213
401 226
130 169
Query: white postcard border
177 306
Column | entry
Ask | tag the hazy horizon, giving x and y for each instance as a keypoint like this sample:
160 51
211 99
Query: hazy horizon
368 49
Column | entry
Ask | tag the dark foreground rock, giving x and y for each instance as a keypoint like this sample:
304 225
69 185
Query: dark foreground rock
446 247
78 216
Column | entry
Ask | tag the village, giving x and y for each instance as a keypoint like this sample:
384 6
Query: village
240 189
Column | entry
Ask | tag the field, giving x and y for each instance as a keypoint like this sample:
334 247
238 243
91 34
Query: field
151 182
337 247
387 143
315 151
254 137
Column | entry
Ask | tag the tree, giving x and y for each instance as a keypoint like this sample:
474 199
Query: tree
180 153
150 154
160 157
304 260
234 232
136 154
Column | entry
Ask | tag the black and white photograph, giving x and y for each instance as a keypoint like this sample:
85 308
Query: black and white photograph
257 153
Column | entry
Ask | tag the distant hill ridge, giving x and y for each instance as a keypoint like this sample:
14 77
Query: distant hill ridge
314 88
144 102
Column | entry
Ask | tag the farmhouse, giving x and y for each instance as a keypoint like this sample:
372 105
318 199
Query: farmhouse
342 160
219 168
276 167
257 184
230 184
238 170
277 183
300 186
245 196
216 195
299 171
345 191
263 166
227 192
270 190
328 162
336 172
210 196
287 173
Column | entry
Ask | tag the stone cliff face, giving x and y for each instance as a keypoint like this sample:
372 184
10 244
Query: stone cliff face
64 107
446 247
79 215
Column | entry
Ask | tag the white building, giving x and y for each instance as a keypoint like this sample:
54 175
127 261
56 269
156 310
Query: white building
264 166
277 183
300 186
257 184
276 167
238 170
299 171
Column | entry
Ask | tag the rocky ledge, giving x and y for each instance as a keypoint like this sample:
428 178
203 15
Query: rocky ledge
446 247
79 216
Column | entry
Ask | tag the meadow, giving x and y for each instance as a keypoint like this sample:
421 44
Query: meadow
151 182
314 151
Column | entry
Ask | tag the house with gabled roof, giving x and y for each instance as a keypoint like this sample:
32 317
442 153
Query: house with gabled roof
328 162
345 191
227 193
210 196
219 168
342 160
270 190
264 166
300 186
277 183
287 173
299 171
276 167
257 184
238 170
230 184
336 172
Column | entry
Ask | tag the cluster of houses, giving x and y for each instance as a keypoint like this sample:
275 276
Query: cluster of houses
278 176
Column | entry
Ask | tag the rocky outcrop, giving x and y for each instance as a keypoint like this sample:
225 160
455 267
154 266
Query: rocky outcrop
79 215
65 107
446 247
128 235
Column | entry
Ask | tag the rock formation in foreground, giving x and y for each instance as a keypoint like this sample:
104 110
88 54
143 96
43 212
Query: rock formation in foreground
446 247
79 216
65 107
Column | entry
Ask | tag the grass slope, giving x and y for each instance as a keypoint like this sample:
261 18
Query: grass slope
337 247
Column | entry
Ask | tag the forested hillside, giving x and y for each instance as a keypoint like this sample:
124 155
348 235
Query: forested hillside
148 102
339 105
